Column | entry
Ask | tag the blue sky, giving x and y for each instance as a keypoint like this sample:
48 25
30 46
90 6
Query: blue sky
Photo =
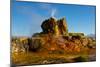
28 16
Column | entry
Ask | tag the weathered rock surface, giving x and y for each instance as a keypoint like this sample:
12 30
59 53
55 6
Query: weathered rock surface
62 26
55 38
56 27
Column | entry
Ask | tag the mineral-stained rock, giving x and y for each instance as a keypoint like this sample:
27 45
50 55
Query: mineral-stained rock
35 44
58 27
49 25
44 41
76 34
62 26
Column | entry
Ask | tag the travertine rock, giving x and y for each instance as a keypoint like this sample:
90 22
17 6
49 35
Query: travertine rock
56 27
62 26
48 25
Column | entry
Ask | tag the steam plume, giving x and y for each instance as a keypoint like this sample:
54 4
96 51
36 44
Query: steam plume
53 12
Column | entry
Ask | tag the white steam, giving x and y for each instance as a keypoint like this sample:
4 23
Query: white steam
53 12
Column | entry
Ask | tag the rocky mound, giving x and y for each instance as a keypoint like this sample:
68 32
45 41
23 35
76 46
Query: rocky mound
56 27
55 38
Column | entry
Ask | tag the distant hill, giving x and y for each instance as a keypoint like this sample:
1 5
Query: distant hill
92 36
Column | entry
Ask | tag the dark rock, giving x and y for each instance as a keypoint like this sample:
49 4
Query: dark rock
62 26
49 25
